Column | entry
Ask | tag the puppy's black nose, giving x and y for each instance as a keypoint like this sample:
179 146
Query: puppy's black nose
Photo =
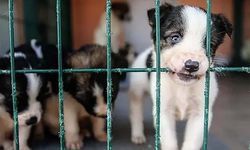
31 121
191 66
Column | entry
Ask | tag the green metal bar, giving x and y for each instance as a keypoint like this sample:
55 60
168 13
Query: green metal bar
96 70
207 83
238 19
31 20
89 70
13 73
109 76
158 76
60 73
230 69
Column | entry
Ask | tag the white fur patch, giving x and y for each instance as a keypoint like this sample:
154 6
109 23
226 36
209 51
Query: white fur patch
37 49
34 109
100 107
16 54
34 85
195 28
117 29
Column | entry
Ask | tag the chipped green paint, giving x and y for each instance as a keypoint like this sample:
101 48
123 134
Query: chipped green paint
60 73
13 73
207 83
158 76
109 77
96 70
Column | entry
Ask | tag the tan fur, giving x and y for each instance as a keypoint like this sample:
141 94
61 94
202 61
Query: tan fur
94 56
118 37
6 130
76 120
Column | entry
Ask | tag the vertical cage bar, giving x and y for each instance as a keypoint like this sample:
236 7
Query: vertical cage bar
158 75
13 73
109 76
207 82
60 73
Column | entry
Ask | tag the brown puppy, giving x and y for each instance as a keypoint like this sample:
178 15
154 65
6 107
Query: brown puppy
6 130
74 114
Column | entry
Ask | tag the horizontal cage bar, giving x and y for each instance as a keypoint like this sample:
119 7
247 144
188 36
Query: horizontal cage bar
96 70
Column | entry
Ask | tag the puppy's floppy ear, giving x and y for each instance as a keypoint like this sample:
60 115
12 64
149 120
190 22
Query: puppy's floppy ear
223 24
165 9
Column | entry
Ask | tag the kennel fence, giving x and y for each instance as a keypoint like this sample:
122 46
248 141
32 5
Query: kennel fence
109 70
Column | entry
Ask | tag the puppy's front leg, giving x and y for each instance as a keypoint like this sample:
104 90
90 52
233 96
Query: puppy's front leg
98 128
72 130
24 133
136 117
168 132
8 145
194 132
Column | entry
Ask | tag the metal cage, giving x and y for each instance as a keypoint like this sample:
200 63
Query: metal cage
109 70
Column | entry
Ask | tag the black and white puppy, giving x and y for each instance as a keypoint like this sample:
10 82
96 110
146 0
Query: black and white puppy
27 56
183 51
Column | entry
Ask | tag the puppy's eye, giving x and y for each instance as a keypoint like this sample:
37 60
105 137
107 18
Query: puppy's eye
174 38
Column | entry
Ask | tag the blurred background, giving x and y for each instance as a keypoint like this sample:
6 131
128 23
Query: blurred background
83 20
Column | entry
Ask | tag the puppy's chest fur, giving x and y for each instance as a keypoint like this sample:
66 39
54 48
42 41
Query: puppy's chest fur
182 101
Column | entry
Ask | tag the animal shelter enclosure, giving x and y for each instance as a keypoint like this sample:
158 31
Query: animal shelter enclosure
60 71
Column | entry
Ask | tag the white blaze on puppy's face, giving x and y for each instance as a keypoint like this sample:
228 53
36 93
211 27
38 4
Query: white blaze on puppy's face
101 107
190 47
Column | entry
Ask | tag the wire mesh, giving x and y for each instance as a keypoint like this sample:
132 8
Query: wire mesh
13 73
109 71
60 73
109 76
158 76
207 82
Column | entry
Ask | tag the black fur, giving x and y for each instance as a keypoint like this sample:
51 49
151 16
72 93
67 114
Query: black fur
221 26
21 85
149 63
171 21
30 60
121 10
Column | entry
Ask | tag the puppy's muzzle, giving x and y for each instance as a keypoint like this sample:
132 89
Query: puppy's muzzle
33 120
191 66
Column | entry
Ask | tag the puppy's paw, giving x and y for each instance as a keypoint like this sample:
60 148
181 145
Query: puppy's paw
138 139
190 146
24 147
102 137
73 142
8 145
169 147
74 145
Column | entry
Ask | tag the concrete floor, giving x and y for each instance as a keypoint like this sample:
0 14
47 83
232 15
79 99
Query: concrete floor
231 122
230 129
